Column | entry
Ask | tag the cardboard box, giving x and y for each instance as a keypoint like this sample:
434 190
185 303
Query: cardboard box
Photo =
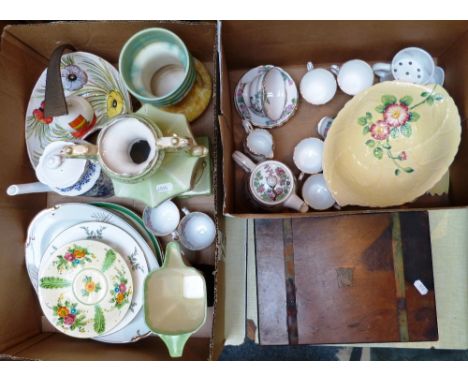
24 53
290 44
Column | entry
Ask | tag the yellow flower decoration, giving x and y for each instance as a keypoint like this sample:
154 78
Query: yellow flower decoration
115 103
90 286
62 311
119 298
79 253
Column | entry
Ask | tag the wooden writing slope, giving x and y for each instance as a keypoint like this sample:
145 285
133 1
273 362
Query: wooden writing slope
345 279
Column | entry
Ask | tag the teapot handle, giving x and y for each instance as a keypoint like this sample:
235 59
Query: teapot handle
55 103
243 161
84 151
176 143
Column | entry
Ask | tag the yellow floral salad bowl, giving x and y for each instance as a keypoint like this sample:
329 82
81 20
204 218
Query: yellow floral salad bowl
390 144
85 288
83 75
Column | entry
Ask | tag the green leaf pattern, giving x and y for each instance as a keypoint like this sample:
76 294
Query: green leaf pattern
54 282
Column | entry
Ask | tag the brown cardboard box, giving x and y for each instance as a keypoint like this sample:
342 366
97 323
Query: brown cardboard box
290 44
24 53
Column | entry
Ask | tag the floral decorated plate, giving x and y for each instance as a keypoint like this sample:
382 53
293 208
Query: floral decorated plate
123 243
84 75
82 287
52 221
390 144
255 118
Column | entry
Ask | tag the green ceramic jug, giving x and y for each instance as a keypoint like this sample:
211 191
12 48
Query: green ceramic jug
175 300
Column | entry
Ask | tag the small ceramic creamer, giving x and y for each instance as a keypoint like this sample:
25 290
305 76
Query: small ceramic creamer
271 184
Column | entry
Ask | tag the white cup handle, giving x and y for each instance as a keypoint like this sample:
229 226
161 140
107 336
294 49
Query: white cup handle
335 69
185 210
296 203
382 69
301 176
243 161
310 66
247 126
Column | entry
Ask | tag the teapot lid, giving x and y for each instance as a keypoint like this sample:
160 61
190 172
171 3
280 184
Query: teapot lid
57 171
271 182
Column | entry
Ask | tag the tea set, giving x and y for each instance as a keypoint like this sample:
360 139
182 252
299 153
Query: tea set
99 270
382 148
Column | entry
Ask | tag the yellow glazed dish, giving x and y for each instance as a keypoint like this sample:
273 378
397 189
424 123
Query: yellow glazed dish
198 99
390 144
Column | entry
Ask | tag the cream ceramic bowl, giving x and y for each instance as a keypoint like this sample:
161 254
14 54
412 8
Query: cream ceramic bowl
390 144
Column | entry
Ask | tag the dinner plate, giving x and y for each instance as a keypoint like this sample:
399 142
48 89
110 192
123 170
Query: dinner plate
84 75
137 223
85 288
256 118
48 223
123 243
390 144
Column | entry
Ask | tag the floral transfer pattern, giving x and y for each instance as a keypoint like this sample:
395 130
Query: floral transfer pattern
68 316
74 257
272 183
246 112
121 293
394 121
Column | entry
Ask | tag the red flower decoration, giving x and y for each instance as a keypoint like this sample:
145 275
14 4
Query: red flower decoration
396 114
39 115
403 155
69 320
69 256
380 130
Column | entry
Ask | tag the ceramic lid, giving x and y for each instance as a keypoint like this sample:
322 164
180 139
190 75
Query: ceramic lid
57 171
271 182
390 144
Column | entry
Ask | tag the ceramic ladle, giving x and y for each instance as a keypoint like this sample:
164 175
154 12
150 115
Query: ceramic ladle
175 300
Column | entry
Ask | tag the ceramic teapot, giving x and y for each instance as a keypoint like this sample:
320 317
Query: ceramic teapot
71 177
130 148
271 184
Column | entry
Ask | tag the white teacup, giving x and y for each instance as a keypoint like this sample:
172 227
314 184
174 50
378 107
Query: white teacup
163 219
316 193
318 86
308 155
411 65
353 76
196 231
324 125
258 143
266 94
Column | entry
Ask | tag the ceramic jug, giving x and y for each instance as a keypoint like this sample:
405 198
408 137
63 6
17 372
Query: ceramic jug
175 300
271 184
131 148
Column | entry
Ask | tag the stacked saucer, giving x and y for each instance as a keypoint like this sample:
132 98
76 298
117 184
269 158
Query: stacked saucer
88 265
